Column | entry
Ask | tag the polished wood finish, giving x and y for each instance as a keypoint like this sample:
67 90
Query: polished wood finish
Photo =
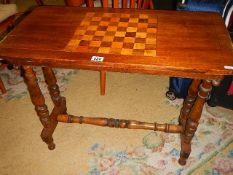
183 48
118 123
183 45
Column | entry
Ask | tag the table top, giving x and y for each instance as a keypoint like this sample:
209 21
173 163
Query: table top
171 43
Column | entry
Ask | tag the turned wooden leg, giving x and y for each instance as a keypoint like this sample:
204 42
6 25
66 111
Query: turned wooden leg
187 106
193 118
53 88
40 106
189 101
102 82
59 101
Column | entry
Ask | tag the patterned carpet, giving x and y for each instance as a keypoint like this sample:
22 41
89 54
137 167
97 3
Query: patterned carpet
16 88
90 150
159 152
151 153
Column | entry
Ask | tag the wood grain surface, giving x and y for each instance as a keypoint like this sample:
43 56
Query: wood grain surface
188 44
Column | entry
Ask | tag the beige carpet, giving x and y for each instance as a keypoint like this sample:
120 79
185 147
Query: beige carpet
128 96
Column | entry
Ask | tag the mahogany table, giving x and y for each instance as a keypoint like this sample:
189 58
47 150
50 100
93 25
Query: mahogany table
166 43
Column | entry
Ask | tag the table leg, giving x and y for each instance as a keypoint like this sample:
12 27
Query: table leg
189 101
191 122
102 82
40 106
58 101
53 88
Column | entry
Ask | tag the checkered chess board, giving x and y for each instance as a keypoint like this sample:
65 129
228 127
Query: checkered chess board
115 33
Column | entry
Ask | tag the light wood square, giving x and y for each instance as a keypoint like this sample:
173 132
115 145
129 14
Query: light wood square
115 50
150 40
129 40
95 43
103 23
143 16
131 29
104 50
112 28
117 45
141 35
92 28
121 34
126 51
108 38
142 25
99 33
123 24
72 43
133 20
87 37
139 46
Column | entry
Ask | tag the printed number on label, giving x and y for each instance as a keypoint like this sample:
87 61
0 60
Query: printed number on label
228 67
97 59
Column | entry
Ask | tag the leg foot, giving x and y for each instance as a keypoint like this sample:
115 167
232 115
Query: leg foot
185 152
51 146
182 161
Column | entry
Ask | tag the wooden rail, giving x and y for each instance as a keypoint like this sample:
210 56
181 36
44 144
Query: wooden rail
120 123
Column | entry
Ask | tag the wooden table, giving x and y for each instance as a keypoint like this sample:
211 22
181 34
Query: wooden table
167 43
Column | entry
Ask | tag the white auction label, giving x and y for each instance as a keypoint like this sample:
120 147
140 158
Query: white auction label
97 58
228 67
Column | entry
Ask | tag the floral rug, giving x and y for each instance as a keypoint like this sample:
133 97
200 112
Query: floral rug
159 152
16 88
